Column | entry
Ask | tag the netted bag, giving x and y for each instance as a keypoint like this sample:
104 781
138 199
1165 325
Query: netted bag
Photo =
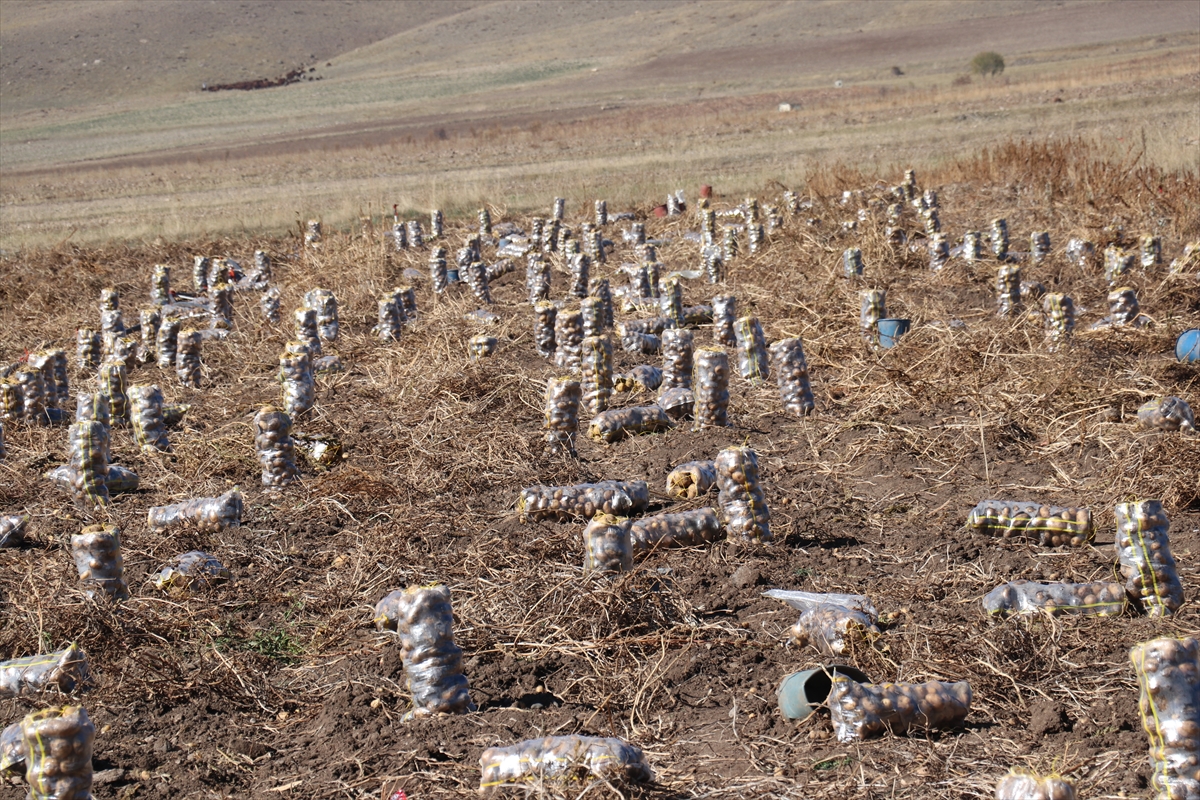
1150 251
276 451
862 710
58 367
1053 526
436 222
87 348
671 302
1100 599
563 759
32 389
568 339
424 620
1008 290
710 385
12 404
677 358
93 407
1168 675
306 329
1059 313
999 238
874 308
743 504
642 378
160 285
791 375
599 288
58 753
481 346
606 545
852 263
200 273
111 322
833 629
323 302
388 326
972 246
97 553
114 381
485 222
437 270
206 514
12 753
563 396
1167 414
545 315
682 529
691 479
1117 263
1021 785
939 248
678 402
191 572
1080 252
88 443
220 301
1144 556
713 264
149 320
296 376
596 367
120 348
312 233
579 266
65 670
1039 246
166 343
12 529
583 501
537 278
187 358
592 313
146 406
618 423
652 325
44 362
729 244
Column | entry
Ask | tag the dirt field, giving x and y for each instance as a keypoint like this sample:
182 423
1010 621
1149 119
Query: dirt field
278 685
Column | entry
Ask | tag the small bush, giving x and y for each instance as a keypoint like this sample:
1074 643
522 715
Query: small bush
988 63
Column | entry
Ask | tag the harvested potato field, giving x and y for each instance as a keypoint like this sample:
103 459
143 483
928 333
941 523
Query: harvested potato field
405 466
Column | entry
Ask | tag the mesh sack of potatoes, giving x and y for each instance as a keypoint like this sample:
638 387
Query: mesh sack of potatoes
568 339
423 618
1168 676
677 358
273 443
1144 557
651 325
388 325
833 629
545 315
600 289
207 514
32 389
296 377
113 379
166 343
563 397
618 423
1166 414
642 343
12 753
574 759
1099 598
187 358
642 378
58 753
146 412
306 329
321 451
678 403
117 480
691 479
87 348
1023 785
862 710
596 360
583 501
751 349
482 346
710 385
12 529
724 315
671 302
65 670
681 529
323 302
791 375
607 545
97 553
537 278
190 572
1052 526
695 316
743 504
88 443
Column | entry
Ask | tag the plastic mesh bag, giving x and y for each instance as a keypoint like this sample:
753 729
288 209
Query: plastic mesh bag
481 346
691 479
682 529
1022 785
617 423
87 348
591 311
160 285
1008 290
599 288
1168 675
306 329
276 451
545 314
563 396
1101 598
424 620
537 278
724 316
710 385
437 270
677 359
190 572
12 752
677 402
568 339
596 361
671 302
606 544
583 501
296 375
642 378
146 404
791 375
58 753
644 343
166 343
751 349
476 276
12 529
187 358
97 553
863 710
388 324
580 266
1167 414
743 505
323 302
93 408
852 263
88 442
65 670
1144 556
208 514
1053 526
1059 313
874 308
563 758
833 629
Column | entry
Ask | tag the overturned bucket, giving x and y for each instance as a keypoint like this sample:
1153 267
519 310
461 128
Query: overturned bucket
800 693
890 331
1187 346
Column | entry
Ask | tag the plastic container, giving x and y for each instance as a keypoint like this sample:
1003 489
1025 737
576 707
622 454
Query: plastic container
801 693
191 572
890 331
1187 346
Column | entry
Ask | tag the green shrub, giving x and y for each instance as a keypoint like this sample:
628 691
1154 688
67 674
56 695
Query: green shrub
988 63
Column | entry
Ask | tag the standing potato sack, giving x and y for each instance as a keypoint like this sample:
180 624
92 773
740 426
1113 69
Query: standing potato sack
874 308
711 389
160 285
437 269
752 349
32 388
791 374
743 504
600 289
166 343
187 359
388 328
114 381
596 359
325 304
671 301
545 315
276 451
1168 674
677 359
149 320
724 315
607 545
97 553
296 375
537 278
568 339
1144 554
424 620
87 348
591 312
89 462
580 265
306 329
1059 312
563 397
149 430
1008 290
58 753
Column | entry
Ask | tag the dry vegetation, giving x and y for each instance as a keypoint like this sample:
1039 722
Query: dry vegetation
278 686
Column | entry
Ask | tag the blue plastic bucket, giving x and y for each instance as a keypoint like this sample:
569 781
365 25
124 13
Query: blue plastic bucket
800 693
890 331
1187 346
